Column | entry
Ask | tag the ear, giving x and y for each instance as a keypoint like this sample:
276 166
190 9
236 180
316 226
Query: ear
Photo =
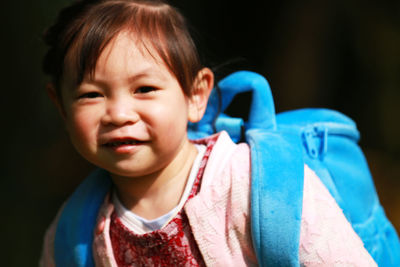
202 87
55 98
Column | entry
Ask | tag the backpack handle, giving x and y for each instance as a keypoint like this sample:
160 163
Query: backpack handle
262 109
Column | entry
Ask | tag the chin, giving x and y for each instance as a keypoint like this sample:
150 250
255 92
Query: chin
126 172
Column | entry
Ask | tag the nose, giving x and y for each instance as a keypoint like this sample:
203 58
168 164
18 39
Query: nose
120 112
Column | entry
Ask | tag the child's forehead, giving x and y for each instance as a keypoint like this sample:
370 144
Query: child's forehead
127 49
131 43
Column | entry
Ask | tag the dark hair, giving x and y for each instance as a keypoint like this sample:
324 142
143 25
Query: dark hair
83 30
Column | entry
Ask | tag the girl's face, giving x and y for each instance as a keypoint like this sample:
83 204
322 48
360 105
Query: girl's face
131 118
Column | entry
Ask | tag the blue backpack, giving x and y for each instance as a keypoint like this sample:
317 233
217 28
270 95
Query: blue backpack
280 145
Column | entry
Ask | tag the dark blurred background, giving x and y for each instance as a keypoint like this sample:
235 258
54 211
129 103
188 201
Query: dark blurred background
338 54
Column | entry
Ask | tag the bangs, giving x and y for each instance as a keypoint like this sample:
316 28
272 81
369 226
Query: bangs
156 27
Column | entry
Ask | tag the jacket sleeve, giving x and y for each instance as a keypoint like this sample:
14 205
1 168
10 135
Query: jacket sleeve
326 237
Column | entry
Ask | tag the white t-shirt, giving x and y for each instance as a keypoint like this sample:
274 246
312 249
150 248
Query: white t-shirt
140 225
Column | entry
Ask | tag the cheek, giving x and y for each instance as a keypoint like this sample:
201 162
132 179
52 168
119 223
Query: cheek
175 115
169 120
82 128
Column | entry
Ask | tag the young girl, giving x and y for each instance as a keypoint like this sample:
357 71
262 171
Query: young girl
126 79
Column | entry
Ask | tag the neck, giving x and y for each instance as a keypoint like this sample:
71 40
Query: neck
154 195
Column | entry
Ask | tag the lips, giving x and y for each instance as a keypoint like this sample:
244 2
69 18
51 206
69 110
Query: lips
116 143
125 145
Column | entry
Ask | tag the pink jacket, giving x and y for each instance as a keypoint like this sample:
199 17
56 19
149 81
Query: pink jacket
219 217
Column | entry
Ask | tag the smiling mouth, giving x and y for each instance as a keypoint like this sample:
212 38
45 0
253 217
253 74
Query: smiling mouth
122 143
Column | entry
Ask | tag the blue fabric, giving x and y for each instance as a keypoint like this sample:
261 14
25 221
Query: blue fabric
276 213
74 233
342 167
344 170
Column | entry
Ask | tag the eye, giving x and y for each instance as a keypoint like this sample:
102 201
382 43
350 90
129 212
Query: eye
90 95
145 89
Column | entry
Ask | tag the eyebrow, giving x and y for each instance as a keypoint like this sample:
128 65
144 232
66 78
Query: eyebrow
143 74
146 72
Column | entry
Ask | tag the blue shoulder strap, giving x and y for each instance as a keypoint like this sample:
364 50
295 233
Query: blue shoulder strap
276 197
74 233
277 168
